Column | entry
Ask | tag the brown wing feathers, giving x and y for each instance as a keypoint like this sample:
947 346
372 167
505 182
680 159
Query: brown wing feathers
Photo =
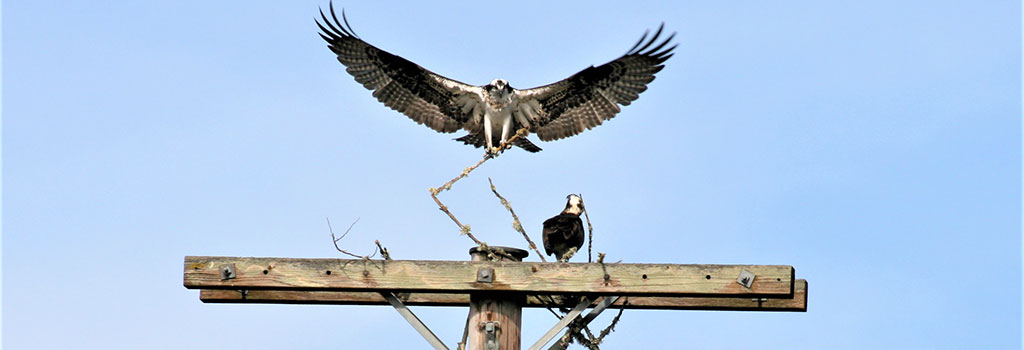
398 83
566 108
588 98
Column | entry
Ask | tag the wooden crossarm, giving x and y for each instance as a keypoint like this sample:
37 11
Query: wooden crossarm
461 277
221 296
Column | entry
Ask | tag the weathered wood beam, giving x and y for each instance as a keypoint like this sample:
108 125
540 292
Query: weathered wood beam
222 296
461 277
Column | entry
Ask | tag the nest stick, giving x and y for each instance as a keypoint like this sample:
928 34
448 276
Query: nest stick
516 224
590 231
336 239
465 229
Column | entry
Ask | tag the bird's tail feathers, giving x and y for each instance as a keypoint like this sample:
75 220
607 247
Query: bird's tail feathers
525 143
477 140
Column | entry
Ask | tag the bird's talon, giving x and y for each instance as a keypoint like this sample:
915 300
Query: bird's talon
489 152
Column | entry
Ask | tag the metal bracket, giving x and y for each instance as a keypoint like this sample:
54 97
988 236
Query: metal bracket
569 317
601 306
414 321
227 272
746 278
491 335
485 275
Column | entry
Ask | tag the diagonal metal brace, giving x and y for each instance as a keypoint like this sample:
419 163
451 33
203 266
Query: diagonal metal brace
562 323
604 304
414 321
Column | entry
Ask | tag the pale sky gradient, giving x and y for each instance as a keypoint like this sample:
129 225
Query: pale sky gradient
873 145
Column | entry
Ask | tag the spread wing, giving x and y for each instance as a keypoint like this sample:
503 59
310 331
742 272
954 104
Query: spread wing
442 104
588 98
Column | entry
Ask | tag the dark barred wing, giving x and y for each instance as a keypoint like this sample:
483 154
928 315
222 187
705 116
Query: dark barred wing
442 104
588 98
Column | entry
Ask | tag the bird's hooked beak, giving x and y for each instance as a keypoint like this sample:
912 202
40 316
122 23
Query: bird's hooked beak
501 85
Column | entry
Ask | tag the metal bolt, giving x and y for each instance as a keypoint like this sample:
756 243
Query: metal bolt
485 275
227 272
491 335
746 278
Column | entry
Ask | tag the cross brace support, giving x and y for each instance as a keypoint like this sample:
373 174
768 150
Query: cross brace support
588 318
414 321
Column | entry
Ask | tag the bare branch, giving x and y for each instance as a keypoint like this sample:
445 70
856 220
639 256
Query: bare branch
593 343
590 229
579 332
465 229
383 251
336 239
568 255
615 321
516 224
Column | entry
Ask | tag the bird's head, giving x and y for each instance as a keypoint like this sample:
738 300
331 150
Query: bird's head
498 87
574 205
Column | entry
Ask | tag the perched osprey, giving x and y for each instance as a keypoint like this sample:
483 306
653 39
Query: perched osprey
492 113
564 231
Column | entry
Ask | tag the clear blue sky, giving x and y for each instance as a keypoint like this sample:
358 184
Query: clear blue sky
873 145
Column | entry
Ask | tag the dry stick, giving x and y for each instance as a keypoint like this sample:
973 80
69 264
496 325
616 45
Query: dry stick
577 329
567 337
516 224
336 239
569 254
465 229
595 341
590 229
383 251
615 321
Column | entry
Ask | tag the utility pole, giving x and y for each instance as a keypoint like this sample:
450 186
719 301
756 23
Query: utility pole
496 289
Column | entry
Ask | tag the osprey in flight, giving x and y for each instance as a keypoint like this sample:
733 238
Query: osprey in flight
492 113
564 231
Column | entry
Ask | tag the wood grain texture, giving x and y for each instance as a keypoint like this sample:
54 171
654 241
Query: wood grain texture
399 276
504 308
797 304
